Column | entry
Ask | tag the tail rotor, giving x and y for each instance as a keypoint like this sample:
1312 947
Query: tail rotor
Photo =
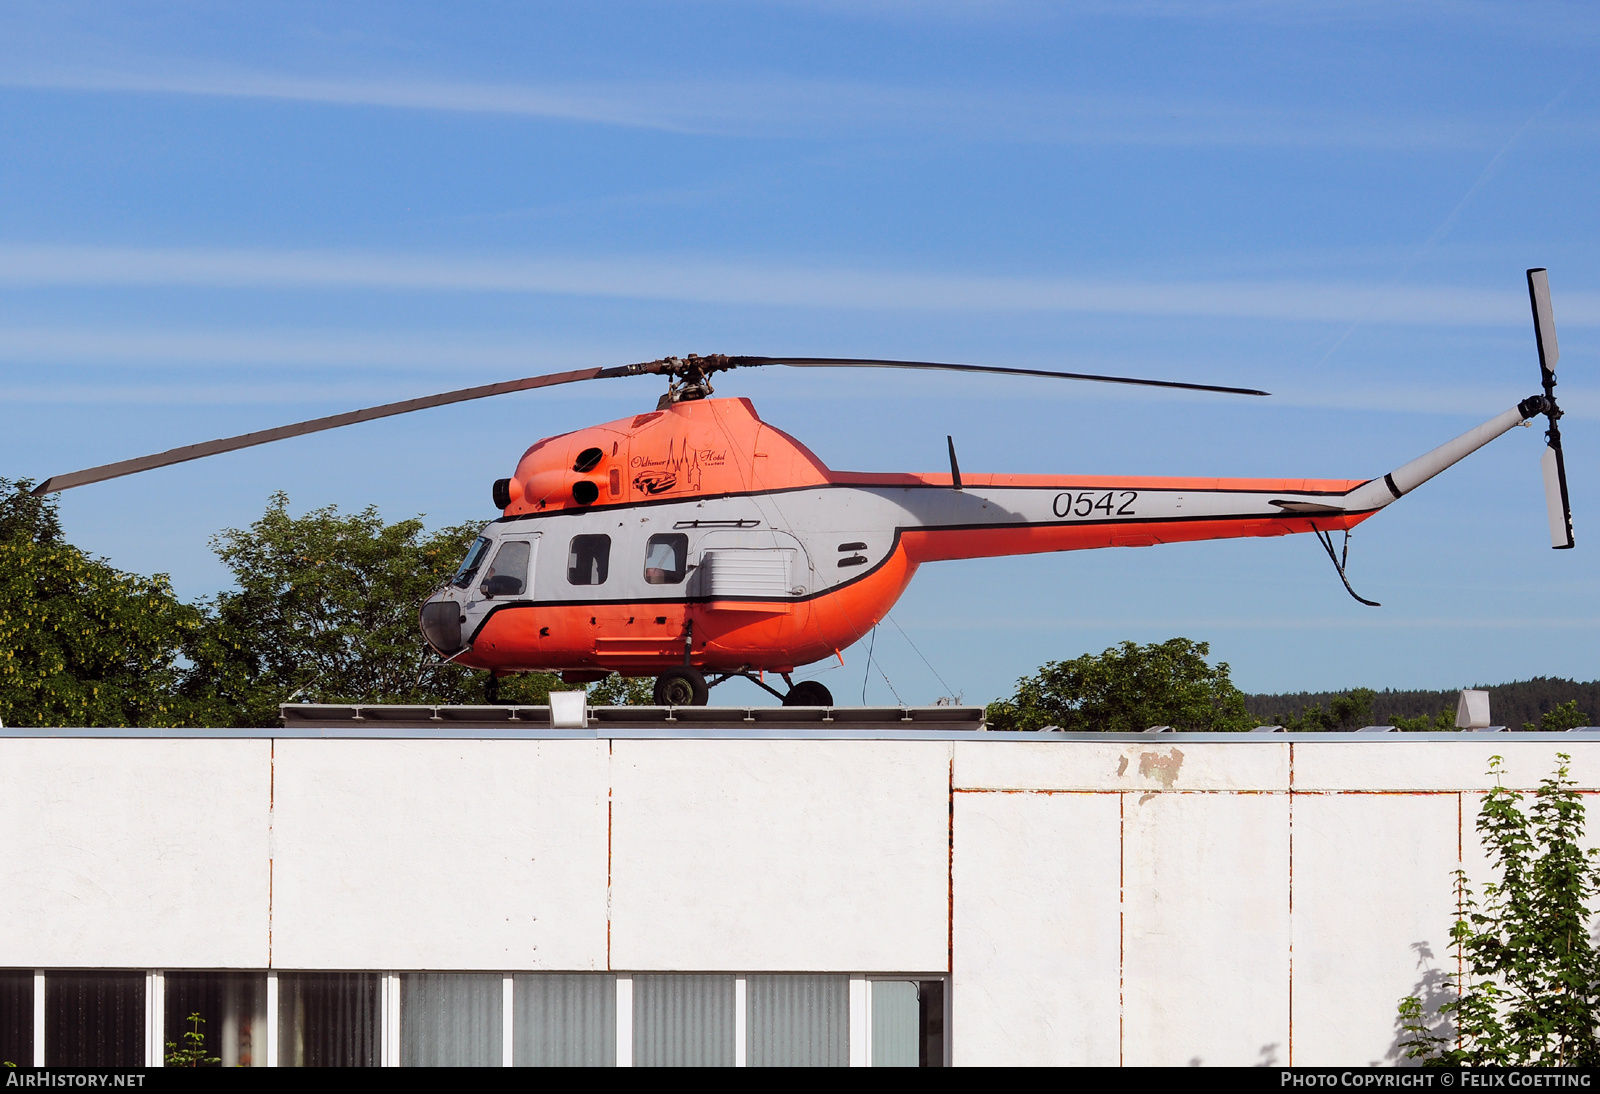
1553 465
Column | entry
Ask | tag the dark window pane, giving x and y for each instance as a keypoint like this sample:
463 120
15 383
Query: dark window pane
565 1020
451 1019
233 1010
588 560
16 1018
328 1019
930 1007
94 1019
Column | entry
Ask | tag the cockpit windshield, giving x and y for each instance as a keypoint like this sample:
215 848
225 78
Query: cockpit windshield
469 565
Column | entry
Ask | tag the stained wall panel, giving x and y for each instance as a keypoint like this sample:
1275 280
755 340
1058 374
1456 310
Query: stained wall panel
1206 929
1036 942
1168 761
1373 907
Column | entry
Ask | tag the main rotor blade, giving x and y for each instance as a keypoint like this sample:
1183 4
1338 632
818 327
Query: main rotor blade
855 362
315 425
1544 320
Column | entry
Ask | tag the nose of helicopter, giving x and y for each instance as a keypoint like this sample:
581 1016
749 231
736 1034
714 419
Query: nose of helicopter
441 621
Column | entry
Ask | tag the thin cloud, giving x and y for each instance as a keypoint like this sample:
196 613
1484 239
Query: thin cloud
697 280
248 348
797 108
1278 622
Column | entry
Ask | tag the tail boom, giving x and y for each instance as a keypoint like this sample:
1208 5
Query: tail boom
990 516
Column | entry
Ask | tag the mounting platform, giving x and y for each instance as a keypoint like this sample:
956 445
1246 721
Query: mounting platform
604 720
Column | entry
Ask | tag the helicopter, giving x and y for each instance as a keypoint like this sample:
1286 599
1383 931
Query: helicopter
696 542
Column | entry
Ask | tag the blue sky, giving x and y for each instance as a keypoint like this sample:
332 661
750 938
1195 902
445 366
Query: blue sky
216 218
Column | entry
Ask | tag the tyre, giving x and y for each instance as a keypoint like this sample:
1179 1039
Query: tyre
808 693
682 687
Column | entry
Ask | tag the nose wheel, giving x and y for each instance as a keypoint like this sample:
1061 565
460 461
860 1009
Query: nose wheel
808 693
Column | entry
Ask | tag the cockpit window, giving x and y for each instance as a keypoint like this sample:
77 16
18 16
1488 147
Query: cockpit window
469 565
507 575
664 558
588 560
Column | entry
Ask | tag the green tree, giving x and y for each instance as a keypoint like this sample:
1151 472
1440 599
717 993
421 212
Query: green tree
617 690
1126 689
193 1052
1422 723
1559 719
1344 712
324 609
1529 993
82 643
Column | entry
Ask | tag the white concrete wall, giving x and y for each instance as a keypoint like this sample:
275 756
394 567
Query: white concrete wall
825 856
1141 902
134 853
1177 901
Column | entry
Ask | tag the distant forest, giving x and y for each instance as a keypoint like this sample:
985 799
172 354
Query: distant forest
1511 705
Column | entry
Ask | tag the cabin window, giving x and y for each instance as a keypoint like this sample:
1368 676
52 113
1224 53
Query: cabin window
588 560
508 574
665 558
469 565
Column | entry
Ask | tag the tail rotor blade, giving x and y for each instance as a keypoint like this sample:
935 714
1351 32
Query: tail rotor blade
1544 321
1555 498
1554 468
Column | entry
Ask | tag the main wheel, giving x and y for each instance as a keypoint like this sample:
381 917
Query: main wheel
808 693
681 687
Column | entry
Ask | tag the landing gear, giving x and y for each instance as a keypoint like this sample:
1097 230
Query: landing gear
808 693
681 687
491 690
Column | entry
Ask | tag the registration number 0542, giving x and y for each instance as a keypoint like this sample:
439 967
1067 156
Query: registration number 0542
1088 503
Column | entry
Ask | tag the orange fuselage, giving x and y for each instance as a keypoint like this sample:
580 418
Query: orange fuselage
702 532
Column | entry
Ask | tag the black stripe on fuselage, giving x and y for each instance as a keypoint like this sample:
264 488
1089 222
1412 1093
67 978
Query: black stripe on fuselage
893 547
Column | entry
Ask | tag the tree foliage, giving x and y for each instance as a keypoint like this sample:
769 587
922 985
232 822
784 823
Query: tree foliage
1559 719
1344 712
82 643
325 610
1518 703
1128 688
1422 723
193 1052
1529 992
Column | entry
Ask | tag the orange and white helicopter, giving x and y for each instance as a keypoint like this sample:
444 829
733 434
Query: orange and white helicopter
696 539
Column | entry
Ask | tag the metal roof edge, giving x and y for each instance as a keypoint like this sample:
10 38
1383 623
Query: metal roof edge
832 731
